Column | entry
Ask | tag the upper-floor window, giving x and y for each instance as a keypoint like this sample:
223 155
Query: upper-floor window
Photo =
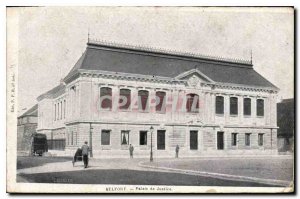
260 107
233 106
143 96
54 112
160 101
61 108
106 98
64 109
192 103
58 111
219 105
125 99
247 106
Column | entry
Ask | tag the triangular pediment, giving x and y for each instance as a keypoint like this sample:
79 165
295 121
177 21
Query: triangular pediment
194 76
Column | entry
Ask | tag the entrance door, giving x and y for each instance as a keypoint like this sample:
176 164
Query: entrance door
193 140
161 140
220 140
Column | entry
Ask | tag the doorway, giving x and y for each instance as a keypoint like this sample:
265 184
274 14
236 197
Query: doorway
193 140
161 141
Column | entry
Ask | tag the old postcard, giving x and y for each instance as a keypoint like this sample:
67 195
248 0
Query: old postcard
150 99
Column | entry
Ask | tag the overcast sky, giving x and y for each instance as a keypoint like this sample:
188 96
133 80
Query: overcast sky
51 40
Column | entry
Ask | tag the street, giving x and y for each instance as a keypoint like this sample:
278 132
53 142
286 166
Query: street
184 172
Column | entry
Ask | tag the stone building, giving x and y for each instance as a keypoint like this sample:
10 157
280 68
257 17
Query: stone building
208 106
26 127
286 124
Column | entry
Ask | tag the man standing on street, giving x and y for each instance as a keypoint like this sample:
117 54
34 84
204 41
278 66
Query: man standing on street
131 151
85 153
177 151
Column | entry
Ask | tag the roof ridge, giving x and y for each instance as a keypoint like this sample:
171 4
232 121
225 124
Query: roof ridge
167 51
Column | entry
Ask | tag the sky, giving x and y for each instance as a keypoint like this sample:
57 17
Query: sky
52 39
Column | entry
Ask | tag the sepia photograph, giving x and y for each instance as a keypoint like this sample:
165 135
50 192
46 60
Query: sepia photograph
150 99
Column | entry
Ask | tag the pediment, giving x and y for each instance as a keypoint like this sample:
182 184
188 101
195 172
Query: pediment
194 77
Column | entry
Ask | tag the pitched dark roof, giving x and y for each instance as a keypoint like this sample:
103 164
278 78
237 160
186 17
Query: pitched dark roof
56 91
33 111
133 60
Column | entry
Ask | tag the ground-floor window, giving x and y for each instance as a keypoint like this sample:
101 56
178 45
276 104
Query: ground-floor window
193 140
260 139
143 137
124 137
247 139
220 140
234 139
105 137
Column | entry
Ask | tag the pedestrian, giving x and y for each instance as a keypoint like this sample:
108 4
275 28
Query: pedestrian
85 153
131 151
177 150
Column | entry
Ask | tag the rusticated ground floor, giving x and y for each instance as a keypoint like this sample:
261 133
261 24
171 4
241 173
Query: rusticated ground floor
113 140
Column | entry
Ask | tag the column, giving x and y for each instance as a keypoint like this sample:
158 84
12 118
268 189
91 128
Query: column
240 109
226 108
213 107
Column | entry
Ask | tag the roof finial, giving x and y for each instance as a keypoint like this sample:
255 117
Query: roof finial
251 55
89 35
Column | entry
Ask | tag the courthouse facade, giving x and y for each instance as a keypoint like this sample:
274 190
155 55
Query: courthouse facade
207 106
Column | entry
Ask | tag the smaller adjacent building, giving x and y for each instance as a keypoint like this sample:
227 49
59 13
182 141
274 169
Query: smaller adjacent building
27 124
286 124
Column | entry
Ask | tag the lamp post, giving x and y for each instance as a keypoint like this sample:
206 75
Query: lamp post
91 141
151 152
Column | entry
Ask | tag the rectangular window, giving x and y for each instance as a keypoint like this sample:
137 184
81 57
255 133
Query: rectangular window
160 102
105 137
260 139
192 103
106 98
61 108
143 137
125 99
234 139
260 107
233 106
247 106
124 137
72 138
219 105
143 100
247 139
55 112
64 109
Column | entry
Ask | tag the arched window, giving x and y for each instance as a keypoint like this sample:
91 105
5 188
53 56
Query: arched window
260 107
219 105
143 100
233 106
125 99
106 98
192 103
160 103
247 106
